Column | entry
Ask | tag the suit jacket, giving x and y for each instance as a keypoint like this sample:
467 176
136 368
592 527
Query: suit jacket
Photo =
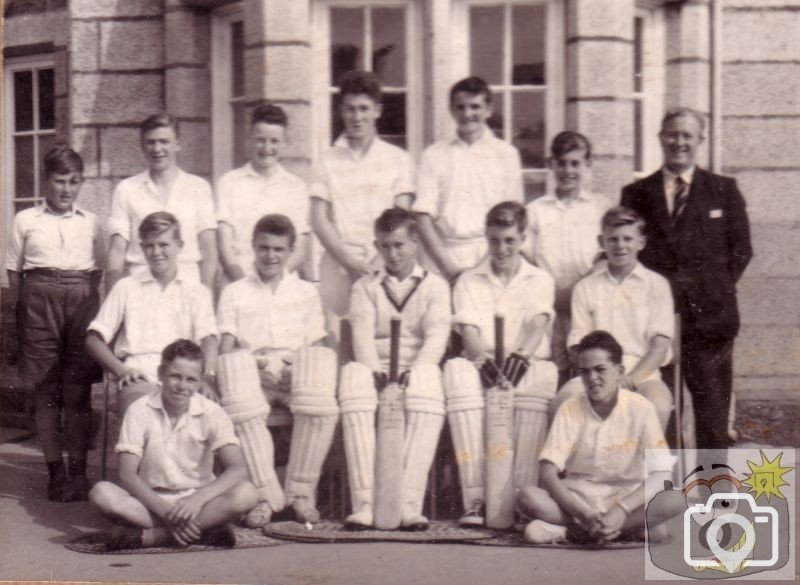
704 255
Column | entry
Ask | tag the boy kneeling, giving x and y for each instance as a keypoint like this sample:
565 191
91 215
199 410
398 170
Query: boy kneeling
167 444
598 440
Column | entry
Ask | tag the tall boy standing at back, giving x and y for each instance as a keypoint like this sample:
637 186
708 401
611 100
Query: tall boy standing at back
507 284
162 187
401 288
460 179
260 187
358 177
564 227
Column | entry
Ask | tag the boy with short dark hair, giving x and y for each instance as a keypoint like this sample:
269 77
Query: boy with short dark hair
631 302
401 288
506 284
460 179
162 187
278 318
52 260
357 178
167 447
564 226
262 186
592 465
151 309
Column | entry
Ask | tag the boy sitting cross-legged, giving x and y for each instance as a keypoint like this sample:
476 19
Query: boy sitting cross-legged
597 441
168 492
401 288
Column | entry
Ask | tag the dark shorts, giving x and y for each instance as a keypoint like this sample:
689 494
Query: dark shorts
54 312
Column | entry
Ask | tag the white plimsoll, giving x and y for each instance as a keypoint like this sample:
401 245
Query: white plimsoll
424 420
358 402
541 532
465 413
243 400
315 412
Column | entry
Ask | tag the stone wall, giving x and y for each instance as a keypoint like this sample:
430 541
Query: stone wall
761 125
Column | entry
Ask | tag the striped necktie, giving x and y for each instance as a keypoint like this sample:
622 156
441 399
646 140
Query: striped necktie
681 198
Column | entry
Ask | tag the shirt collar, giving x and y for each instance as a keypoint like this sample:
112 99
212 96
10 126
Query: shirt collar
687 175
583 195
147 276
341 142
487 139
146 180
43 208
249 171
286 280
156 400
417 272
638 272
526 270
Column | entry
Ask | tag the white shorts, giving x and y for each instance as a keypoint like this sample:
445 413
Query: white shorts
173 496
599 496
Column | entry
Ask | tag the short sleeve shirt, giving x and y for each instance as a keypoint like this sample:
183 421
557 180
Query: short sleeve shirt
41 238
190 201
149 318
288 318
610 450
459 183
421 301
179 457
634 311
244 196
564 236
479 295
359 189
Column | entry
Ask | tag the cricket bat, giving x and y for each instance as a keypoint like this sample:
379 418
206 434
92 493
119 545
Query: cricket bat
499 443
390 444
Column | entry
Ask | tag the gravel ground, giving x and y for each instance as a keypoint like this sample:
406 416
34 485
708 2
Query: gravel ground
769 421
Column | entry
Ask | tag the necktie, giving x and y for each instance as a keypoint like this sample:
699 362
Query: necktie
681 199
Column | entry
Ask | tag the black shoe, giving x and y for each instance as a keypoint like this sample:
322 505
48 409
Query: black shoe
77 489
123 538
222 536
57 481
474 517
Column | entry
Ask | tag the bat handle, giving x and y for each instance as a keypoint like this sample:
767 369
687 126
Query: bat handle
394 349
499 334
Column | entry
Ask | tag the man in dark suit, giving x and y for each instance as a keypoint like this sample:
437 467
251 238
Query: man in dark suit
698 236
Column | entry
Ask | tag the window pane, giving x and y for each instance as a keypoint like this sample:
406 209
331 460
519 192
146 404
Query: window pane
388 45
638 147
23 100
534 184
638 24
496 121
486 43
239 134
392 123
529 128
23 167
22 205
46 142
237 58
347 41
47 112
529 42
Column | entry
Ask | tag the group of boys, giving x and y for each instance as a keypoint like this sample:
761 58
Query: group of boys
390 249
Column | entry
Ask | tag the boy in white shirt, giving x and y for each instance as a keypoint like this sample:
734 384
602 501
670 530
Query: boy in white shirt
460 179
401 288
593 463
162 187
151 309
505 283
632 303
278 318
357 178
260 187
564 227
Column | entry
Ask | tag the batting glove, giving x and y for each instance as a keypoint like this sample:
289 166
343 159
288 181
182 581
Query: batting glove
515 368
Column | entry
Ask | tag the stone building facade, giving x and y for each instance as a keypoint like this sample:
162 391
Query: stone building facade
92 69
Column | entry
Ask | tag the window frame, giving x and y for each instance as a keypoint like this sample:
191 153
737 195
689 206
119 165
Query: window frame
652 94
222 118
11 66
554 87
321 70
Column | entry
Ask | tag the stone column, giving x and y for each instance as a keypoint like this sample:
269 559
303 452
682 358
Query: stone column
278 68
599 84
